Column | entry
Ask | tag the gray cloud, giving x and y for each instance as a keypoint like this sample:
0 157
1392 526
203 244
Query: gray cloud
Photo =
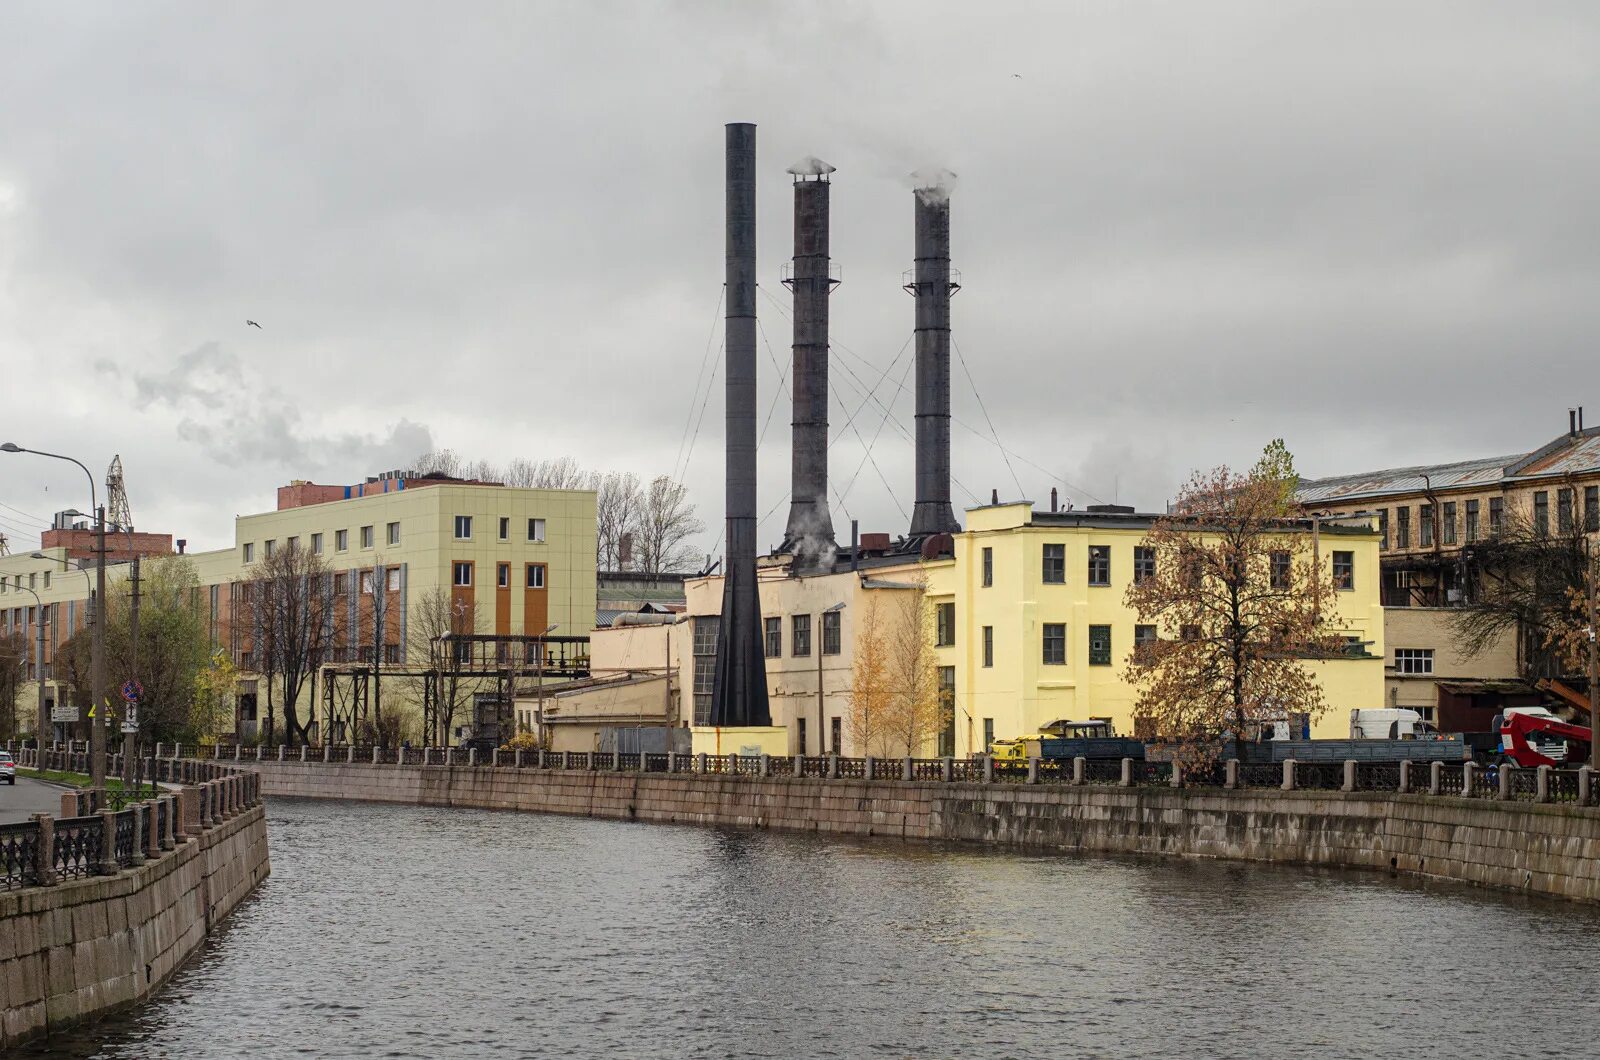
1182 231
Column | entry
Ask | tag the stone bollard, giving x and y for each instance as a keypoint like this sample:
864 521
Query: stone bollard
1543 782
516 759
1127 773
140 828
152 830
472 757
1288 775
1468 777
1507 776
1033 770
1435 777
798 767
733 764
870 766
1230 774
1349 775
1405 777
44 857
494 758
377 755
988 769
69 804
238 751
108 844
908 771
1177 774
949 769
1585 785
544 759
169 828
158 748
303 750
833 767
700 762
280 752
186 821
566 759
350 753
765 768
1080 769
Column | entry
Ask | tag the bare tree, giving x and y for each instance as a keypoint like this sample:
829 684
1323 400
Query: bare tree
666 521
446 462
291 594
435 618
618 500
558 473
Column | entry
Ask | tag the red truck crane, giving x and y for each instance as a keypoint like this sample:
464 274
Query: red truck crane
1515 728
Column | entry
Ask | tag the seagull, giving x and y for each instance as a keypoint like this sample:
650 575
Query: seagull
252 323
1017 76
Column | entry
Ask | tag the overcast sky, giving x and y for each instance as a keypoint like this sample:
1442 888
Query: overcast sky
1183 229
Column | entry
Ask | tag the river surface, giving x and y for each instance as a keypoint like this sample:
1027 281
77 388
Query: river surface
389 931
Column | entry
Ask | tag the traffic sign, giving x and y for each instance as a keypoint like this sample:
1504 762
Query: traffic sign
132 690
130 720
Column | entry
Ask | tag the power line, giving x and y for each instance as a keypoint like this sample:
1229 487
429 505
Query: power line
682 457
43 523
984 409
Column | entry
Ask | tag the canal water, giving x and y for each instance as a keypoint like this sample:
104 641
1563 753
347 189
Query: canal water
391 931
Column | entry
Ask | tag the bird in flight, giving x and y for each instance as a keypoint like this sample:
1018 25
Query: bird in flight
252 323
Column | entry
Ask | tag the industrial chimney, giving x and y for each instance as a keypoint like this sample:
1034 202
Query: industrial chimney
932 286
739 691
809 534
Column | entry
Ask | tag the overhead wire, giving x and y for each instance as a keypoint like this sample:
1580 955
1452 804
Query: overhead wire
682 458
986 417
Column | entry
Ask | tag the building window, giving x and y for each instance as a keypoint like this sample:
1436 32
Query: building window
947 711
1425 526
366 583
1413 660
292 543
1449 527
988 646
800 635
1344 570
1383 529
535 578
341 583
1281 568
341 541
1402 527
269 547
1143 637
1055 644
505 528
249 553
1099 564
463 528
944 625
800 736
988 567
462 575
1564 511
502 575
774 631
393 533
1472 521
47 579
1099 645
1144 563
836 734
705 666
1055 564
1591 508
830 633
1497 515
535 529
366 537
391 579
988 734
391 653
1541 513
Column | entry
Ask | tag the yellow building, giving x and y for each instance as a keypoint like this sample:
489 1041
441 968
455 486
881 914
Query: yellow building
521 561
1017 579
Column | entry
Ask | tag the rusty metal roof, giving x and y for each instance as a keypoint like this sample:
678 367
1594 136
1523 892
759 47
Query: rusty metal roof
1578 455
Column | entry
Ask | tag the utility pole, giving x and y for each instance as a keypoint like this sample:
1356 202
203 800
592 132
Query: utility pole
129 738
1594 659
97 721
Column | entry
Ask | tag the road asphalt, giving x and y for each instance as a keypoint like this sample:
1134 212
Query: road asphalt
27 797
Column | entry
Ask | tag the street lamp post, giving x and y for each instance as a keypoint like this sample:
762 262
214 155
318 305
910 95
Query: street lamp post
97 732
38 666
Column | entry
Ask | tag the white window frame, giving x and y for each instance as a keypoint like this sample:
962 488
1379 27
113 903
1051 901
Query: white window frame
341 541
392 533
316 544
249 551
456 569
463 521
1414 662
536 530
367 537
391 579
528 576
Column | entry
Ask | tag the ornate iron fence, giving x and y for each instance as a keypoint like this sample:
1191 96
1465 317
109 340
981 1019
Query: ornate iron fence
854 768
126 837
1451 778
1260 774
965 770
654 763
1151 774
1381 776
627 760
780 766
1319 776
814 766
1102 771
77 849
1525 785
1563 785
927 769
19 854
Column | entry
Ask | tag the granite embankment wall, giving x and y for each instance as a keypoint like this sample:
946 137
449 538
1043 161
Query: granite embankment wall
82 948
1548 849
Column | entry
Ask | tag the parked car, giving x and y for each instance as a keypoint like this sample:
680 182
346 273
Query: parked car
8 768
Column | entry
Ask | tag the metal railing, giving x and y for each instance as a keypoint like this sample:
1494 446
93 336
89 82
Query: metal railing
19 854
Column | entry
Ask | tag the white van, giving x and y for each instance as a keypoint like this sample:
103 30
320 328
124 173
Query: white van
1389 723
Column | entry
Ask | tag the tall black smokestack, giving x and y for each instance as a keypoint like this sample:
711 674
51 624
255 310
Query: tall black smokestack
809 534
932 287
739 693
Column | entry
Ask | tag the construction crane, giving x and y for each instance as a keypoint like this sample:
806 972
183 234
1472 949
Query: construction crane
117 512
119 517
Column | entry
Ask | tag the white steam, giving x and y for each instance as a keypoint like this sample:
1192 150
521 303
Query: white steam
932 184
811 166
